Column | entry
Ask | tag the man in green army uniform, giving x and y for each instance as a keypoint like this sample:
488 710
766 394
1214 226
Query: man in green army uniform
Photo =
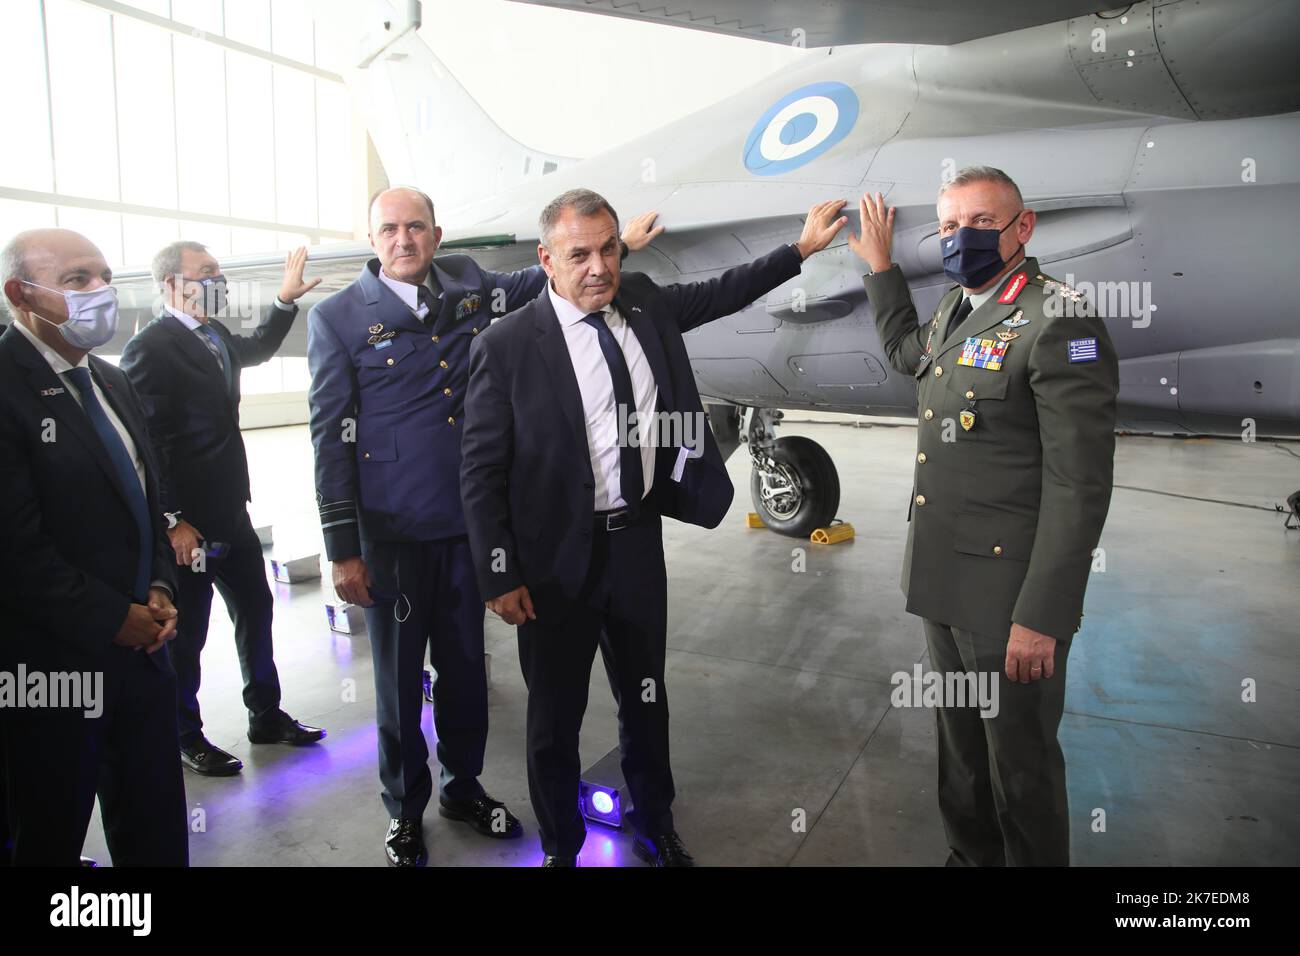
1016 390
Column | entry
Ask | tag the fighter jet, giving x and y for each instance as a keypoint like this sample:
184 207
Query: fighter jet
1159 144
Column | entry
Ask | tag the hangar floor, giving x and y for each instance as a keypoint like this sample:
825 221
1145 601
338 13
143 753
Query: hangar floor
780 684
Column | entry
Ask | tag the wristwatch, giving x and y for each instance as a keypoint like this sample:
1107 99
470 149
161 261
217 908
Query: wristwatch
171 517
626 250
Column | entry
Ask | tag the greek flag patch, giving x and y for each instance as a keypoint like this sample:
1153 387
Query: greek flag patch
1082 350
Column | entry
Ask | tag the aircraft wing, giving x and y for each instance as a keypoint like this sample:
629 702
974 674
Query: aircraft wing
839 22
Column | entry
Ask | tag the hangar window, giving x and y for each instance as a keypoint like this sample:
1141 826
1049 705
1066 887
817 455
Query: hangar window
157 119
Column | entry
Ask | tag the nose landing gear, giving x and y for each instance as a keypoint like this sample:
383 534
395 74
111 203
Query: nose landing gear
794 485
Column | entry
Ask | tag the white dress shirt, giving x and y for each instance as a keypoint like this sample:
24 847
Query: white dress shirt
597 388
409 292
191 323
60 366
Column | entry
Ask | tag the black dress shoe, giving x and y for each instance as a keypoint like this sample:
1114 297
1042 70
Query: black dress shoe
489 817
283 729
201 756
663 850
560 860
404 845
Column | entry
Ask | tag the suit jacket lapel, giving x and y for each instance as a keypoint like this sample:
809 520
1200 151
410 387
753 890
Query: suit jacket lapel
195 352
653 347
555 353
387 309
68 414
980 320
452 294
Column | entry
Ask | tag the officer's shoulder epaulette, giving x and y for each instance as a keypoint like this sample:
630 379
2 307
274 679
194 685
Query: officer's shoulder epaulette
458 264
1058 287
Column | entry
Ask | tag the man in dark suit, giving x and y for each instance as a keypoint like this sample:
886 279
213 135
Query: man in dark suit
86 578
185 366
563 505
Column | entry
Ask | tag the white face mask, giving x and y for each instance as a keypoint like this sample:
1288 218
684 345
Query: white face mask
92 315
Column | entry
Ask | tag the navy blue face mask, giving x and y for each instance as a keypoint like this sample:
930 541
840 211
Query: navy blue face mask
970 255
213 295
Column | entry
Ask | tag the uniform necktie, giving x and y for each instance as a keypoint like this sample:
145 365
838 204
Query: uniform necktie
427 300
631 480
959 316
126 476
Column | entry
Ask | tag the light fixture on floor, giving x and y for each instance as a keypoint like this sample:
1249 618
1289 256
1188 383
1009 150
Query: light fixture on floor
603 805
601 792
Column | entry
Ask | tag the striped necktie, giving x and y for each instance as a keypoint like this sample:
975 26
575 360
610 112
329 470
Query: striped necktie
218 348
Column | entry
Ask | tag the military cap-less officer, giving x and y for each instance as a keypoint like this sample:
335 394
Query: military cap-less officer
389 359
1016 394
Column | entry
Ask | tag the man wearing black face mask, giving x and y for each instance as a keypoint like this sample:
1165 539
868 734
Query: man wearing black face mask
186 365
1017 383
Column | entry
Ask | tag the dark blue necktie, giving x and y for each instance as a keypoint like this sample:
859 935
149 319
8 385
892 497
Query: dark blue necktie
427 299
222 353
631 480
126 476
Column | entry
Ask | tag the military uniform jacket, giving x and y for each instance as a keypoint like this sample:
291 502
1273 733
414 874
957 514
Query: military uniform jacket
387 398
1015 451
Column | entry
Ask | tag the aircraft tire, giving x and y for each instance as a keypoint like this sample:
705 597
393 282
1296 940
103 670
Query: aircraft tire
819 481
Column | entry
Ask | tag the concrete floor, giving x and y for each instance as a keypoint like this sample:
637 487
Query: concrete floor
779 684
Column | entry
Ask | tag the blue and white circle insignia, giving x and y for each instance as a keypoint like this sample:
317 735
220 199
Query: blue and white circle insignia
799 127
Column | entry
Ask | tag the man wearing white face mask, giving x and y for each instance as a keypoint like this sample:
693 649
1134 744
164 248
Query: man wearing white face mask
86 577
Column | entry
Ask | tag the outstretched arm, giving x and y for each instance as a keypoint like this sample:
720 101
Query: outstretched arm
891 300
264 341
695 303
